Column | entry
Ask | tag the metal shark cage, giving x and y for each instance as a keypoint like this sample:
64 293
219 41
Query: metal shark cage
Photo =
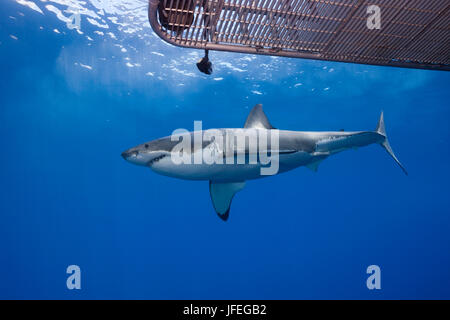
412 33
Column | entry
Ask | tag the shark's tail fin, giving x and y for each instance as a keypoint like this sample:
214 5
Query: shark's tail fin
385 143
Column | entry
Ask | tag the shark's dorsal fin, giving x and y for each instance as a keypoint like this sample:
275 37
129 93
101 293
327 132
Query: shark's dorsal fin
221 196
258 119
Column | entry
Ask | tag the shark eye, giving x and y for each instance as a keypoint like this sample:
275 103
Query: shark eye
146 146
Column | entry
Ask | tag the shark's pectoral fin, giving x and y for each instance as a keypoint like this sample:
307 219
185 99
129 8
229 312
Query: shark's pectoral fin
221 196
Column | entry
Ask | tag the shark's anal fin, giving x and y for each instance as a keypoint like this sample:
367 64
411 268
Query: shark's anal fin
257 119
221 196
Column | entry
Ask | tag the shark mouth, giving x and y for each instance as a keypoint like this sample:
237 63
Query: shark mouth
153 161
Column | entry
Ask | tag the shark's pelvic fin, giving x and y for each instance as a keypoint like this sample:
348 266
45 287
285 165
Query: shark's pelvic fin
381 129
221 196
258 119
314 166
320 156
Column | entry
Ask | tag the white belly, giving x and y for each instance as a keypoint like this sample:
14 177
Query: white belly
227 172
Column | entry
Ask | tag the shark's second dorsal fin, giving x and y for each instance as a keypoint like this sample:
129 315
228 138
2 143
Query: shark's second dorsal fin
258 119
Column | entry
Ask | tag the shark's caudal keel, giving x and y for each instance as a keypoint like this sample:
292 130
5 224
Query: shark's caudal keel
229 157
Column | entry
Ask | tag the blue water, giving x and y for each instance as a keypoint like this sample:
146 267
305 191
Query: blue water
67 197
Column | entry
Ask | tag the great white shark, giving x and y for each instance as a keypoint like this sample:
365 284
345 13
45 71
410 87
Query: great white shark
293 149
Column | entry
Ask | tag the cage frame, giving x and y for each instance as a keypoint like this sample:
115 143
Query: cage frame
422 42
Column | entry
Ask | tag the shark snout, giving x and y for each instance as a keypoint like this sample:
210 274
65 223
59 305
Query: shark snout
130 154
124 155
135 156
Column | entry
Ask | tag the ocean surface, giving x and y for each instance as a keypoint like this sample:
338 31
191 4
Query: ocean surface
72 98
